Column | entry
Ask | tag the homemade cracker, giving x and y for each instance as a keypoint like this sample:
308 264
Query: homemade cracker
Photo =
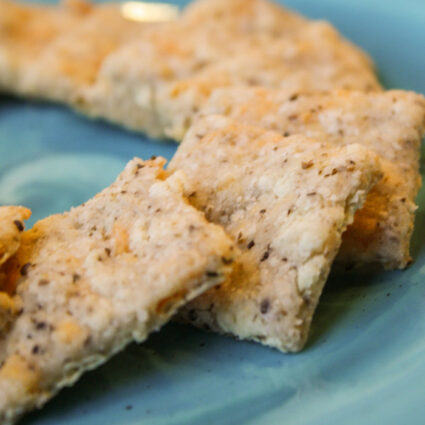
106 273
286 203
188 60
391 123
155 77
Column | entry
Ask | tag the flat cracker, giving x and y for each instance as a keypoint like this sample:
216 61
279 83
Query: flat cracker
391 123
104 274
154 78
286 203
187 61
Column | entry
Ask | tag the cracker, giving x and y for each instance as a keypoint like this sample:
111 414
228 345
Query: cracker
104 274
285 202
155 77
391 123
187 61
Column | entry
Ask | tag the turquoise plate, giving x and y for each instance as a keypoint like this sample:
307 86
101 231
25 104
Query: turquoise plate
365 361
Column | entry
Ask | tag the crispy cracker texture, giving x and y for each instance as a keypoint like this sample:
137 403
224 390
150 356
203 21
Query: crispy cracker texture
391 123
286 203
244 43
155 77
108 272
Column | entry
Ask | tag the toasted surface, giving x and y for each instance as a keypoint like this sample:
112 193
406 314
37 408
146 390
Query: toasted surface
191 58
253 17
53 52
391 123
108 272
155 78
11 228
25 30
285 202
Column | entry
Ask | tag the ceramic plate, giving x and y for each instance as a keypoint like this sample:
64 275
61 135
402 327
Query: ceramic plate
365 361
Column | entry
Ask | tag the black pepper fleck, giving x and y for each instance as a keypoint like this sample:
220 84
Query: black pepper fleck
265 306
24 269
19 225
265 256
40 325
250 244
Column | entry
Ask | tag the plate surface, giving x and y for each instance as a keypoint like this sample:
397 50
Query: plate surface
365 362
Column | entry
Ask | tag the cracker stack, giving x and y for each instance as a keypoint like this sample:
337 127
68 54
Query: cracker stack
286 203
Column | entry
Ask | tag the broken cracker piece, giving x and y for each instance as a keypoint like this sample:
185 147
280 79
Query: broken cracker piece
391 123
108 272
286 203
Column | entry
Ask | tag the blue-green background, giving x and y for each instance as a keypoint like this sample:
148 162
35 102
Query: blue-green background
365 362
